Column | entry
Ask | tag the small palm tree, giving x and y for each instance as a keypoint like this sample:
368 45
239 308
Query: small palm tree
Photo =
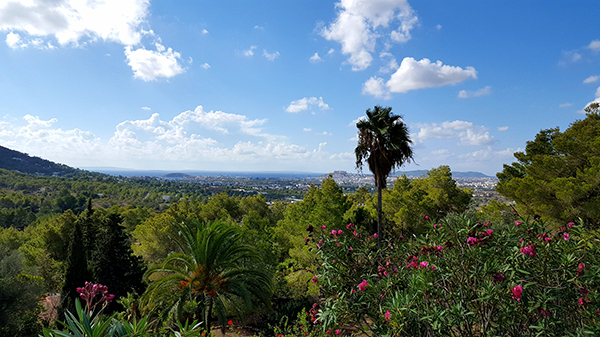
384 142
210 271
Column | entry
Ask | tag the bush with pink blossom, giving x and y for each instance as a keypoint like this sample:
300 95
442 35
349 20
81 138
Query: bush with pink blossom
463 278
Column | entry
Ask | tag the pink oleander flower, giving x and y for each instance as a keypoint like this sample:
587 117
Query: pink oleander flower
315 279
323 227
339 232
363 285
528 250
375 235
333 232
566 236
570 224
423 264
517 292
489 232
472 241
338 332
387 315
547 239
580 269
425 217
518 223
439 248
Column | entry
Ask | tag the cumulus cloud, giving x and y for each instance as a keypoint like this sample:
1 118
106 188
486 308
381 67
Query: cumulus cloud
204 32
466 132
270 56
306 103
194 139
315 58
146 108
594 45
414 74
360 23
591 79
307 129
149 65
502 128
38 23
70 21
481 92
570 56
376 87
205 66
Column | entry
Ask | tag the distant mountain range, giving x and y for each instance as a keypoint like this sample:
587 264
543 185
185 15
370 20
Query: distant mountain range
22 162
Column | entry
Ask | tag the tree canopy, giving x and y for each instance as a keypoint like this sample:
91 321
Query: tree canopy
557 177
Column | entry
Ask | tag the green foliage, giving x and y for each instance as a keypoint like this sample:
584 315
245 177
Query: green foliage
463 278
558 175
210 272
19 296
434 195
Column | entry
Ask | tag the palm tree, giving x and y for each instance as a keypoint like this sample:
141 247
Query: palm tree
384 142
210 271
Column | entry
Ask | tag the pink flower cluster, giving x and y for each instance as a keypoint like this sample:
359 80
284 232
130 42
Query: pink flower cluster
472 241
90 291
528 250
363 285
580 269
517 292
415 264
336 233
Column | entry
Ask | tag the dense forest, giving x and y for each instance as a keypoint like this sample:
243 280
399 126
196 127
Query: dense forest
107 256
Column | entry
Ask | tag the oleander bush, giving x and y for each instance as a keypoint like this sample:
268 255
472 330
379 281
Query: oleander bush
462 277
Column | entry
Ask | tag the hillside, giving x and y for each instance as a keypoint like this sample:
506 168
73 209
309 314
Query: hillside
22 162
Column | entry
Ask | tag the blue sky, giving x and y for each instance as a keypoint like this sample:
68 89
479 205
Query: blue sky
279 85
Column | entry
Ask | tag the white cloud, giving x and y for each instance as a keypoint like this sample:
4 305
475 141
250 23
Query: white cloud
331 51
391 65
594 45
249 52
414 74
466 132
315 58
438 27
70 21
591 79
565 105
270 56
150 65
502 128
325 133
146 108
489 154
307 129
376 87
191 140
204 32
360 23
481 92
14 40
361 118
76 23
306 103
598 92
205 66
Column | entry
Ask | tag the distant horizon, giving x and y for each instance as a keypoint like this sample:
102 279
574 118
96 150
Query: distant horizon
127 172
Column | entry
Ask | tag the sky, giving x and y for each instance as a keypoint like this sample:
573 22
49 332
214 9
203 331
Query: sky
239 85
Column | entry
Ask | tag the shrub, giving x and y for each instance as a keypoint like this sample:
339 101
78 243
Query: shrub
461 278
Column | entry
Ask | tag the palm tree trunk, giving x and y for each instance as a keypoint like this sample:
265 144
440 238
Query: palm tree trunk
379 191
207 315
